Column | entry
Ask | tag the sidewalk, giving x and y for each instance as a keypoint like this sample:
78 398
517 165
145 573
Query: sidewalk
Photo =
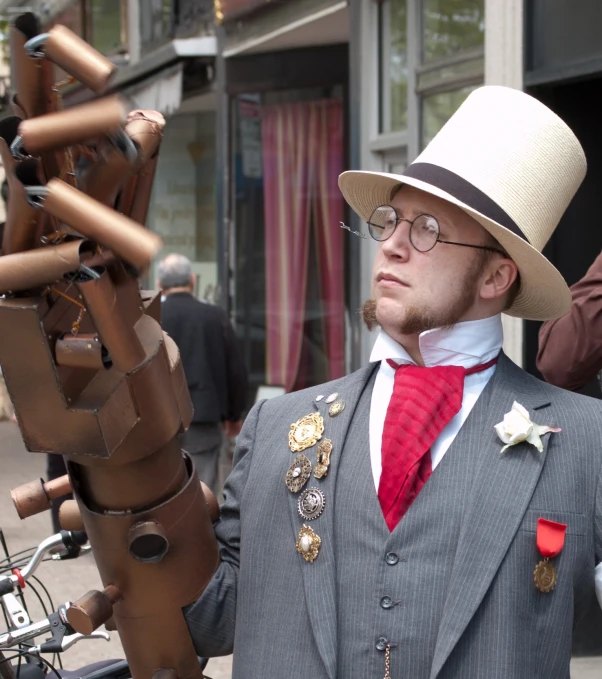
69 580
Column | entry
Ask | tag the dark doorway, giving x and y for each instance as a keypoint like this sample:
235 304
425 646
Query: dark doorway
578 239
572 249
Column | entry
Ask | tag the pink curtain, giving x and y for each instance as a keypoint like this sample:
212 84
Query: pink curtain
328 213
302 158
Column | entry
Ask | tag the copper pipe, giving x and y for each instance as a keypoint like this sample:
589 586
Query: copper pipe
110 173
124 237
103 180
135 197
70 517
164 474
43 266
152 629
78 58
147 542
145 129
116 333
26 74
144 188
73 126
34 497
58 487
23 220
93 609
81 351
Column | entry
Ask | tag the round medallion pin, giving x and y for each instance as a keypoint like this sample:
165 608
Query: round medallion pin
311 503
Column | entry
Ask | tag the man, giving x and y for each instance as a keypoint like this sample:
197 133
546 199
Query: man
212 364
570 348
433 539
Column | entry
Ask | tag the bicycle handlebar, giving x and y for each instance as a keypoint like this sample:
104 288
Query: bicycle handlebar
63 635
72 541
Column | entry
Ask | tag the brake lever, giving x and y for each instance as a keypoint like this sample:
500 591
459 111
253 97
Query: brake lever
74 638
72 554
17 614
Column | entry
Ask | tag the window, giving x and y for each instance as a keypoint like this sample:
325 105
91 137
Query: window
394 66
156 24
106 26
431 56
452 63
451 27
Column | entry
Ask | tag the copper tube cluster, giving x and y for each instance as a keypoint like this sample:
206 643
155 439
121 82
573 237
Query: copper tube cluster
89 370
126 238
107 177
74 55
73 126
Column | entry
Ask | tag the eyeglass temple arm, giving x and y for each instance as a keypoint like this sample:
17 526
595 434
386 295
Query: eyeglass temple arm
468 245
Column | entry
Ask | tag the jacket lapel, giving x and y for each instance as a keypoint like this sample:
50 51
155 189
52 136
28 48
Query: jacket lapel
319 577
502 490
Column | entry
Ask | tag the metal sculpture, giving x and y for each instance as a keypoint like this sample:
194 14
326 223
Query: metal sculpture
90 373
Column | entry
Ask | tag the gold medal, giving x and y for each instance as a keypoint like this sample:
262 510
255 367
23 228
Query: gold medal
336 408
323 458
544 576
308 544
298 473
305 432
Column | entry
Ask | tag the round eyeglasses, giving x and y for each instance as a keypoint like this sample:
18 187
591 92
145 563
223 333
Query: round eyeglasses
424 230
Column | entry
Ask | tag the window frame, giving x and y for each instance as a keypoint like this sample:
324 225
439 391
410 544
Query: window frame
382 140
121 52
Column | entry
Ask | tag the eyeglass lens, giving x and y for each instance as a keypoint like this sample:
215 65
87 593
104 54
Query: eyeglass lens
424 230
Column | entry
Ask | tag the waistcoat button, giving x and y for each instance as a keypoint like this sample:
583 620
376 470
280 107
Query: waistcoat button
391 558
387 602
381 643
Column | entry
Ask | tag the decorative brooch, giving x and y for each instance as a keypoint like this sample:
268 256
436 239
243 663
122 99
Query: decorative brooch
306 432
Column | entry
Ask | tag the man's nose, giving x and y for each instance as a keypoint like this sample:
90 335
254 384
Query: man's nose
398 246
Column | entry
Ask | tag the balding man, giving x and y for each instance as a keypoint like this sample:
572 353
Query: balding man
214 370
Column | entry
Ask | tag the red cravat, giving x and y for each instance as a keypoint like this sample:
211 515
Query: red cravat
424 401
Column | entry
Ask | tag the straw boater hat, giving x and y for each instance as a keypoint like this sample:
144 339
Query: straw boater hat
510 163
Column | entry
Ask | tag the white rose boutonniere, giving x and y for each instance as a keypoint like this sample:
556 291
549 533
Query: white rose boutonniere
517 427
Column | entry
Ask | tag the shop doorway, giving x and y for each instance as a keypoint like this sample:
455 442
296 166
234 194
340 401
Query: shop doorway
572 249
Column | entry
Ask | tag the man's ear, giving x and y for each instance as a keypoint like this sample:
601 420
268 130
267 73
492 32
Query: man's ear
500 274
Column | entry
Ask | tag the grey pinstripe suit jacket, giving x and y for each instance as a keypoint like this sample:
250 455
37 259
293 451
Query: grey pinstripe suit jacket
278 612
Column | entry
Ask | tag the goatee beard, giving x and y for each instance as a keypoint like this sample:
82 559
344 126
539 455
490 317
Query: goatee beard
413 320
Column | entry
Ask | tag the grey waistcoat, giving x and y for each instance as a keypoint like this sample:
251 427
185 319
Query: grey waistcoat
402 602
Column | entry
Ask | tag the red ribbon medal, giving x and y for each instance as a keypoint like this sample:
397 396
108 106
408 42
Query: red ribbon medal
550 541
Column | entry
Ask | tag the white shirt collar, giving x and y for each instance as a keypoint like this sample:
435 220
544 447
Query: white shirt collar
467 344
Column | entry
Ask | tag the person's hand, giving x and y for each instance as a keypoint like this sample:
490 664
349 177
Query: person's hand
232 429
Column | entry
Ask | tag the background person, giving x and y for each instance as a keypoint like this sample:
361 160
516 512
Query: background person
213 367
